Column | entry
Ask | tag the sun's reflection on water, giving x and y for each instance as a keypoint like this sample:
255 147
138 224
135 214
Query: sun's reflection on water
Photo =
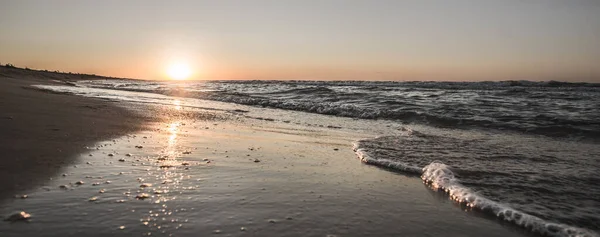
177 104
173 130
169 175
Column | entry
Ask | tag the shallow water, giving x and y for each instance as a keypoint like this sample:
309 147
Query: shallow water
539 183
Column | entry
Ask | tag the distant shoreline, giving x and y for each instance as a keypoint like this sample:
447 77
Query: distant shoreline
74 76
9 69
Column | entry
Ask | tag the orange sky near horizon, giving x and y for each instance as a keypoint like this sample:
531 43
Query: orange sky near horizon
307 40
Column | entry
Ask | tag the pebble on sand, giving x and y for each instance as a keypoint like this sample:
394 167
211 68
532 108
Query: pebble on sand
128 154
142 196
21 196
139 147
63 186
19 216
121 227
217 231
122 160
93 199
79 182
256 160
272 221
110 154
242 228
101 191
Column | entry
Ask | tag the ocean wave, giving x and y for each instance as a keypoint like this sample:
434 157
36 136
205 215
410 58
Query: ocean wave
306 90
557 109
550 126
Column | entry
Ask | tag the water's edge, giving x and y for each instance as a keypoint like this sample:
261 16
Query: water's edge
439 177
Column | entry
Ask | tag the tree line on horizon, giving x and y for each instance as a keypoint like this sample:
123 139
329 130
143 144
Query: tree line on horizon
10 65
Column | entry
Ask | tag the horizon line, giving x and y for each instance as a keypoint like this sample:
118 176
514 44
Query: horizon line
12 66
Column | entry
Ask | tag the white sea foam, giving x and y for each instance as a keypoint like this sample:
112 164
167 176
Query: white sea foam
366 158
440 177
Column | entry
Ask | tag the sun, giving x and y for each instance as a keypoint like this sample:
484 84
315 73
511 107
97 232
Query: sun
179 71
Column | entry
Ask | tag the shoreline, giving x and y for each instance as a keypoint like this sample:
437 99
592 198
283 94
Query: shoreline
41 132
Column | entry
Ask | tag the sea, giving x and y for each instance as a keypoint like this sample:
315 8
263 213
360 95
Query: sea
526 153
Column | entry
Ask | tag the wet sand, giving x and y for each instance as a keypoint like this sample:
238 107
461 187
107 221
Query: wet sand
41 132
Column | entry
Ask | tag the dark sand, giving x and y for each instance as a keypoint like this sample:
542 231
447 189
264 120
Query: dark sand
42 132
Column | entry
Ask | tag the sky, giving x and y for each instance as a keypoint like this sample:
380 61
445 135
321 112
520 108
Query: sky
455 40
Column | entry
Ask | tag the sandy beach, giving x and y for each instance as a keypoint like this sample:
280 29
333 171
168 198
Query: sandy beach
189 171
42 132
